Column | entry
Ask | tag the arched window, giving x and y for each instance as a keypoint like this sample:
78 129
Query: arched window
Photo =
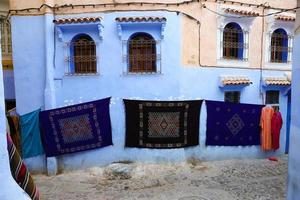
83 55
233 41
142 53
279 46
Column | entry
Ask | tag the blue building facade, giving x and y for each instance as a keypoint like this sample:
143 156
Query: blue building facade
46 77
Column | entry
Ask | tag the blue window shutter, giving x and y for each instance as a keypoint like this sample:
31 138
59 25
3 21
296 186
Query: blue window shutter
72 65
241 42
285 46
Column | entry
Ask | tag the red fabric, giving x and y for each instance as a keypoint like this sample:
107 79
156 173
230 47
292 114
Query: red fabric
22 174
276 125
273 159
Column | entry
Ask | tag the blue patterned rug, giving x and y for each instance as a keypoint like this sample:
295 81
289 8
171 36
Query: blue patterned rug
76 128
231 124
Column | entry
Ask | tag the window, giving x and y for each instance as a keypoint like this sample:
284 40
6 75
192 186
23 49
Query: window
142 53
272 98
279 46
233 41
232 96
141 44
5 37
83 57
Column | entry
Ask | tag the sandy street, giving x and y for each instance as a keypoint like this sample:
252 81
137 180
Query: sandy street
253 179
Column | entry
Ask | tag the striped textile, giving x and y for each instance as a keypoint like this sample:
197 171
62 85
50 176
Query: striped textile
15 133
20 172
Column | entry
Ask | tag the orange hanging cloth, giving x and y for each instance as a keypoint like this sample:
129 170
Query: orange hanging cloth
266 133
276 126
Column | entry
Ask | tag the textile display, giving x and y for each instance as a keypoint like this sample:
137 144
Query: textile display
30 135
20 172
76 128
15 134
266 128
231 124
276 124
162 124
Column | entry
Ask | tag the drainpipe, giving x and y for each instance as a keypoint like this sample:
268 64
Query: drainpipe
9 187
49 92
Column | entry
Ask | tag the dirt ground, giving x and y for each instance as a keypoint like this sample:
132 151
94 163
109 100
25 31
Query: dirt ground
252 179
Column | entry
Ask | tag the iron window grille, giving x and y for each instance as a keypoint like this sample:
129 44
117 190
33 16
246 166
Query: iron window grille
5 38
83 58
234 42
140 53
232 96
280 49
232 46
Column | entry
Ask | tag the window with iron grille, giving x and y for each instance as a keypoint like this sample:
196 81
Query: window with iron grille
279 46
232 96
233 42
83 59
142 53
272 97
5 37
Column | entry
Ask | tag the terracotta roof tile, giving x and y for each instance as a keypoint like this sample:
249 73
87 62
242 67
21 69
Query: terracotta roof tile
235 80
77 20
141 19
283 81
241 12
285 18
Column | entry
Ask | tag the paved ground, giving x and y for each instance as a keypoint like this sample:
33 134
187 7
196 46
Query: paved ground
256 179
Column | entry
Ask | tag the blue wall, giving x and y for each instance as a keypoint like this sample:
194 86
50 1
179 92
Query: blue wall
175 82
294 159
9 86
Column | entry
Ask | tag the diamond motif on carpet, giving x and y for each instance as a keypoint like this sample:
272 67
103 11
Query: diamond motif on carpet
76 128
163 124
235 124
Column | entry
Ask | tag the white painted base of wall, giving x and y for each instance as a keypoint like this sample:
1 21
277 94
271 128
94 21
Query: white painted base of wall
52 166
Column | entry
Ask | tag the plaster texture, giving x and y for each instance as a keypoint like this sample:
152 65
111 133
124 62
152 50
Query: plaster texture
175 82
294 159
9 86
9 189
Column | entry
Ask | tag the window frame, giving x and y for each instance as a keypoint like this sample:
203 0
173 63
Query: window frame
283 50
130 56
288 26
65 32
233 50
127 28
72 57
277 103
6 44
238 93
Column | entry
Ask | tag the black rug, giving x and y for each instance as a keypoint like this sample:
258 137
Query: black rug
162 124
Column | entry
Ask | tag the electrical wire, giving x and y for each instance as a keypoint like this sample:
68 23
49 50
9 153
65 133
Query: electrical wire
159 4
58 7
263 15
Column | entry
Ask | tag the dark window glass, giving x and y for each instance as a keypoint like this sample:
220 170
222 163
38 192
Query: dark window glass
272 97
232 96
142 53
